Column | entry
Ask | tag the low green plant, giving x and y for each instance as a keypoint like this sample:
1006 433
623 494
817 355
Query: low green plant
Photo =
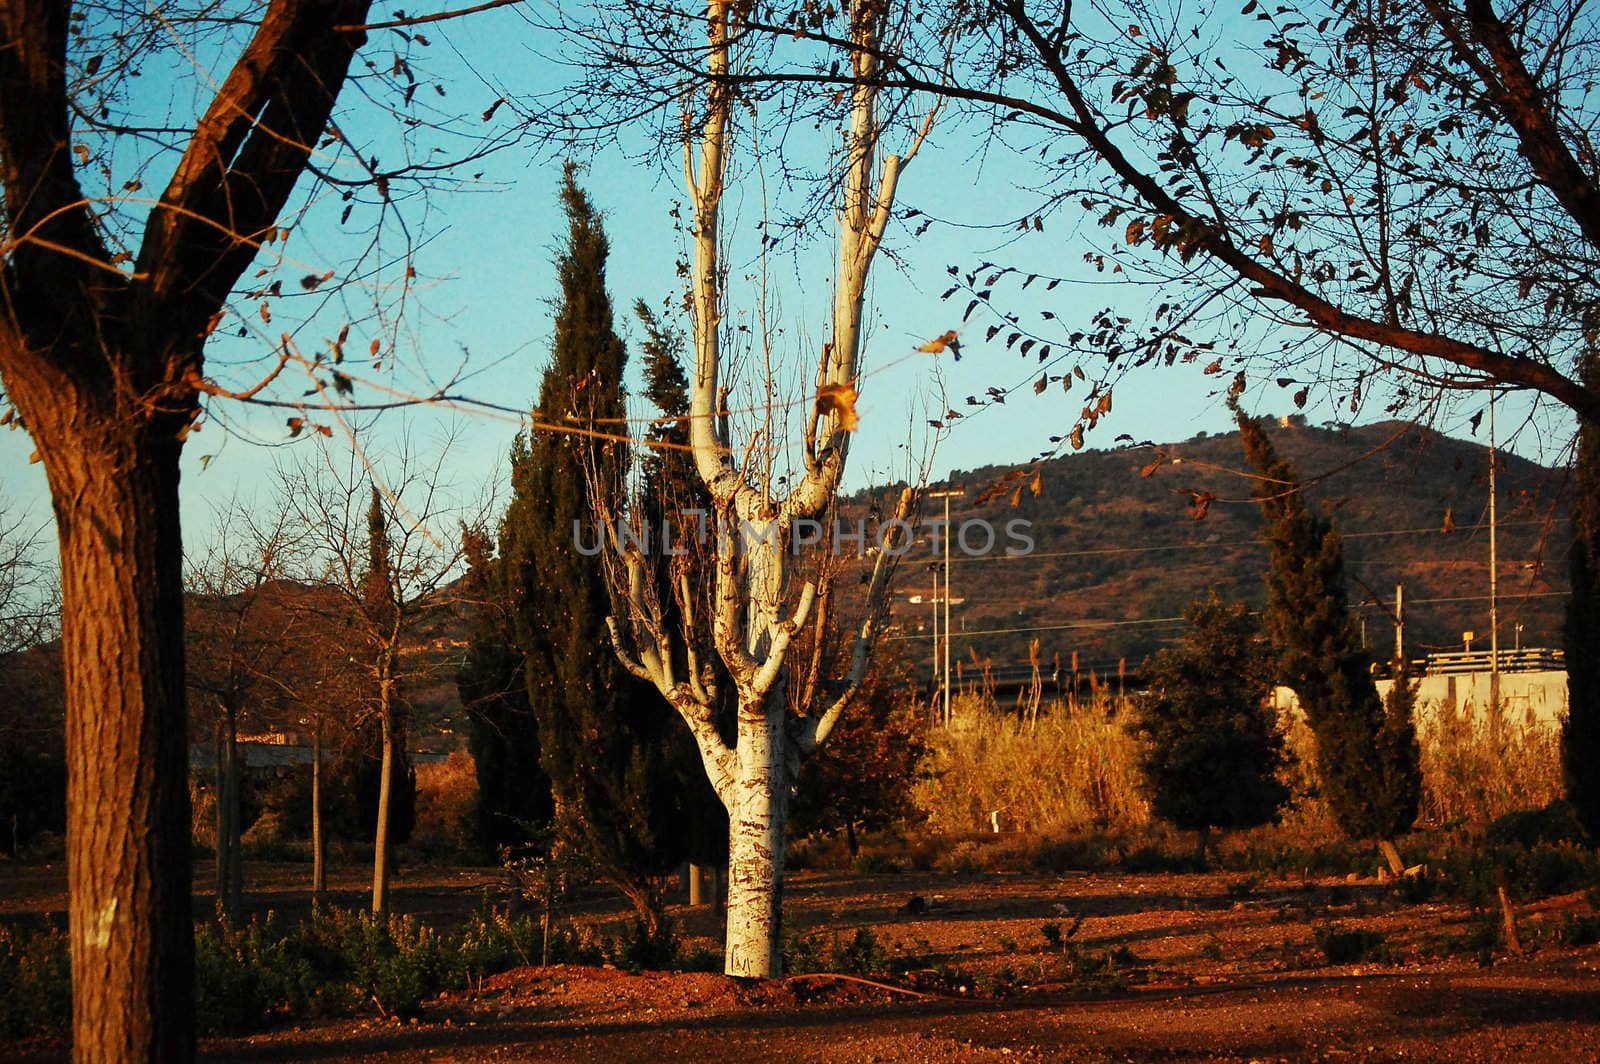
802 953
1340 945
35 983
247 974
1578 930
863 954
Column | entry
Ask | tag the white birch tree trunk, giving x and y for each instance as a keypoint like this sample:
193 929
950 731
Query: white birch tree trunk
756 819
752 623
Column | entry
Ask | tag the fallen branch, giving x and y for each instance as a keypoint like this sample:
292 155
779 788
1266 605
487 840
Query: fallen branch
841 977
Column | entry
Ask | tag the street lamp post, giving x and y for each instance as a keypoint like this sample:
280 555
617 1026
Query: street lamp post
946 494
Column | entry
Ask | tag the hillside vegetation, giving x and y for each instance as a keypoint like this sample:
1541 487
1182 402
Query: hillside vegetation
1117 554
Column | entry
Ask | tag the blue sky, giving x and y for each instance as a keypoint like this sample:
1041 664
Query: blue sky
489 281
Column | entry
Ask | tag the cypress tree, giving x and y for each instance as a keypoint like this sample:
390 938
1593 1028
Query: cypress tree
1213 749
1368 760
602 734
674 498
1580 734
515 805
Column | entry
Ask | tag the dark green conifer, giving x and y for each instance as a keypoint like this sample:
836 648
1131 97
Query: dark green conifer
1580 734
604 736
1214 751
1368 761
515 805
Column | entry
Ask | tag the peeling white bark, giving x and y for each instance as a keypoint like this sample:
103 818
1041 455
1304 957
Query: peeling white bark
752 620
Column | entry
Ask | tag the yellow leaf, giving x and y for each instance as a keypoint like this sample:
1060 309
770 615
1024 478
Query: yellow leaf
1036 485
938 343
839 400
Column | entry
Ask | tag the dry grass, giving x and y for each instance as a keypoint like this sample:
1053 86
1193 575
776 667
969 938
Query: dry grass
447 808
1074 770
1479 766
1070 769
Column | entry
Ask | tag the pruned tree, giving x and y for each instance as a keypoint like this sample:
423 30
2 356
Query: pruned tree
1213 753
1368 760
385 545
241 635
755 608
33 764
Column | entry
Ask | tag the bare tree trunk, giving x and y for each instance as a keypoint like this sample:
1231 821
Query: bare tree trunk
128 820
233 869
755 843
697 885
219 810
380 844
319 873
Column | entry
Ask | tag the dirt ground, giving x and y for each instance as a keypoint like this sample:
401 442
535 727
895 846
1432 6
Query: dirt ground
1201 968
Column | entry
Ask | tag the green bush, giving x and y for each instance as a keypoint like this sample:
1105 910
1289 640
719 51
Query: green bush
1345 946
395 962
1555 823
802 953
35 983
861 955
1578 930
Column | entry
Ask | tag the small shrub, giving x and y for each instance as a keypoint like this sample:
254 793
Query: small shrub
35 983
802 953
1212 950
393 961
701 959
1340 945
1578 930
1245 886
1555 823
999 983
1052 934
862 955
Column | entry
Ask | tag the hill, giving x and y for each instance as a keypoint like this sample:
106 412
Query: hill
1117 555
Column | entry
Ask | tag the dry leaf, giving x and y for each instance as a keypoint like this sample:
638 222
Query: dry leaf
940 343
1036 485
840 400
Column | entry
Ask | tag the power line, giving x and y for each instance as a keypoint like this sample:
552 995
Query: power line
1069 625
1102 551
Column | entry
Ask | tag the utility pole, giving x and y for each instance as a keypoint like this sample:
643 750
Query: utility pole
933 682
1399 625
1494 580
946 494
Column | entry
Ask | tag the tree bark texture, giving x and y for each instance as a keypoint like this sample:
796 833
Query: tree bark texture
755 844
391 759
127 780
104 368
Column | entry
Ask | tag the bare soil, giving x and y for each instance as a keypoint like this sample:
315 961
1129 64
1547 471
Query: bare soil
1202 968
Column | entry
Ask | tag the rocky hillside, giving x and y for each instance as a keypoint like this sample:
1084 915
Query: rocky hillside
1118 554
